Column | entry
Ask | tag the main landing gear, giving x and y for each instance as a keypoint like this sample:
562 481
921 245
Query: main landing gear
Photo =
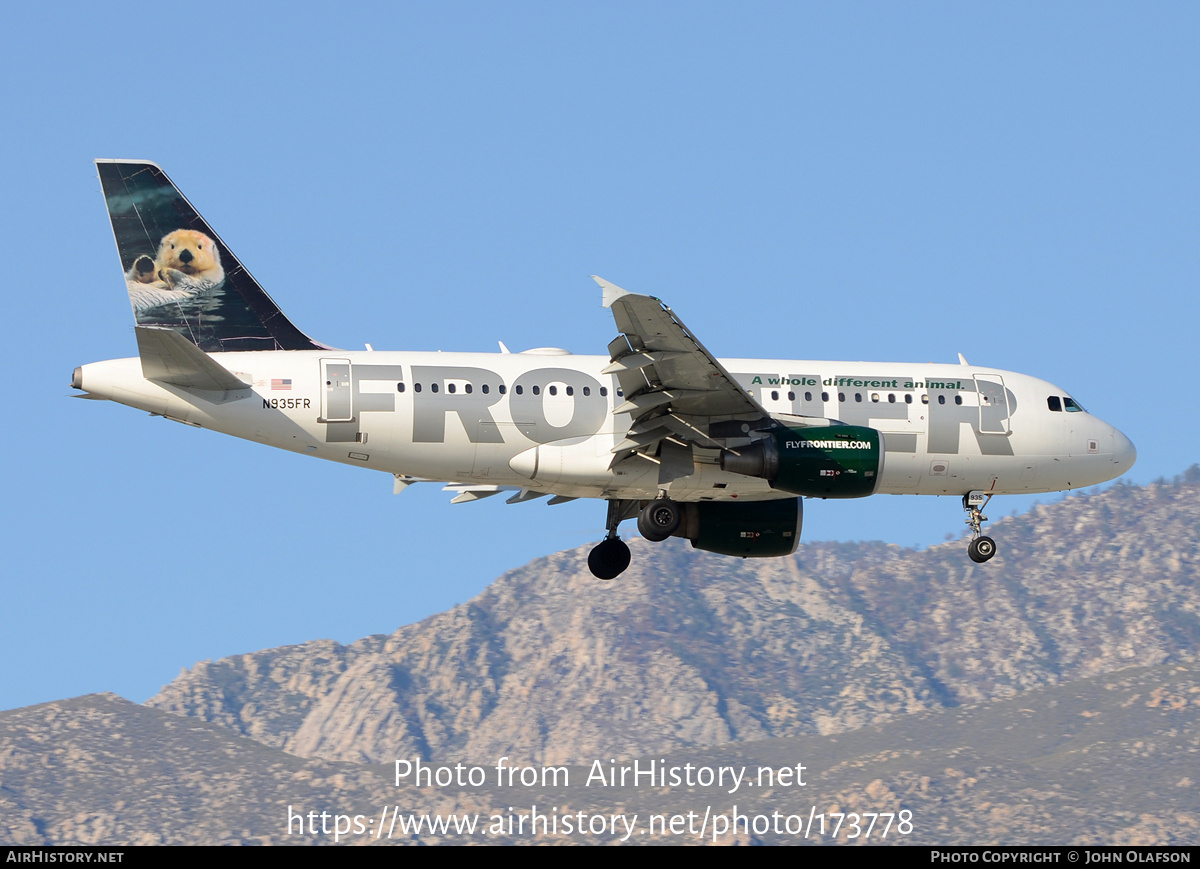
981 548
609 558
657 521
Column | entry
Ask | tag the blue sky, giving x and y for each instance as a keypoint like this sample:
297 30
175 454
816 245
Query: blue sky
874 181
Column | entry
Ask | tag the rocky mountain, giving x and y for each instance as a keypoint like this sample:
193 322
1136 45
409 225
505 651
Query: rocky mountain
1047 696
1103 760
688 650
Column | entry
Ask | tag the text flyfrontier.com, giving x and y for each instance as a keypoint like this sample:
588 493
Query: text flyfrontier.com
656 778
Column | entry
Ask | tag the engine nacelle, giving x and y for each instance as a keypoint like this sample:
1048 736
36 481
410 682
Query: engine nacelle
837 461
751 529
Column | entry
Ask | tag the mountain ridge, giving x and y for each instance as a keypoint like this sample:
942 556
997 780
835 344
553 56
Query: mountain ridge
549 665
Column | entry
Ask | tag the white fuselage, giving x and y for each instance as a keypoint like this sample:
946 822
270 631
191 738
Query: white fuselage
543 421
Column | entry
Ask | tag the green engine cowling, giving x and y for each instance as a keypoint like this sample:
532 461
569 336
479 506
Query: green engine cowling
837 461
750 529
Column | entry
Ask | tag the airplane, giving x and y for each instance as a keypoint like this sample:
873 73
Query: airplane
719 452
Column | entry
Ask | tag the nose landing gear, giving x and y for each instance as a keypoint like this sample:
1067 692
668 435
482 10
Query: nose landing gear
981 548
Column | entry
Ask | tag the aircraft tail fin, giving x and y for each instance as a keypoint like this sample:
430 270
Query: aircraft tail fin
178 272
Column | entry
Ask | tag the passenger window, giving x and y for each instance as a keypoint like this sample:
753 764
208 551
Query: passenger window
824 396
891 398
774 395
503 389
450 387
941 399
570 390
925 398
841 396
808 396
399 387
537 390
433 387
587 390
416 387
958 399
908 399
553 390
467 389
858 396
485 388
604 390
875 398
1054 404
791 396
520 389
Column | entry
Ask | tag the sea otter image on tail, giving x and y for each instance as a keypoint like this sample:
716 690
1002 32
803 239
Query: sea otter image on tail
187 263
189 260
180 275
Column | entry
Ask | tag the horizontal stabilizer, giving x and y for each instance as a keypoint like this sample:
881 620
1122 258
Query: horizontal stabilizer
168 357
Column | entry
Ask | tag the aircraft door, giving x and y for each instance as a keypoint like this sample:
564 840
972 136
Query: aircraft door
993 404
337 403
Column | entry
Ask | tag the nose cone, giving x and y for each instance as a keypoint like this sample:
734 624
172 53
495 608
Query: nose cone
1124 452
526 463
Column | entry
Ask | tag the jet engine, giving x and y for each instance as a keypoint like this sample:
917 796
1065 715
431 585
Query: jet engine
837 461
751 529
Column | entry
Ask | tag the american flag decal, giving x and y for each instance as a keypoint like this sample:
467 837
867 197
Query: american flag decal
281 383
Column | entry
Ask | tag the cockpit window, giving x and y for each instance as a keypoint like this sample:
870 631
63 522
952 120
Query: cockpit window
1070 405
1054 404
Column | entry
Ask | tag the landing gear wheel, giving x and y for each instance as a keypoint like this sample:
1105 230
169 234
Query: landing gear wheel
659 519
608 558
981 549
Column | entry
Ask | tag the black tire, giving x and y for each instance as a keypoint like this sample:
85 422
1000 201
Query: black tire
608 558
659 519
981 549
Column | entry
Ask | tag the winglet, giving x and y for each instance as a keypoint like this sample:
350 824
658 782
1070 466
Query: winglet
611 291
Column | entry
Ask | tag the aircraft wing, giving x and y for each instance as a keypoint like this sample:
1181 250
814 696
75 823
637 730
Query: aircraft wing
675 391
